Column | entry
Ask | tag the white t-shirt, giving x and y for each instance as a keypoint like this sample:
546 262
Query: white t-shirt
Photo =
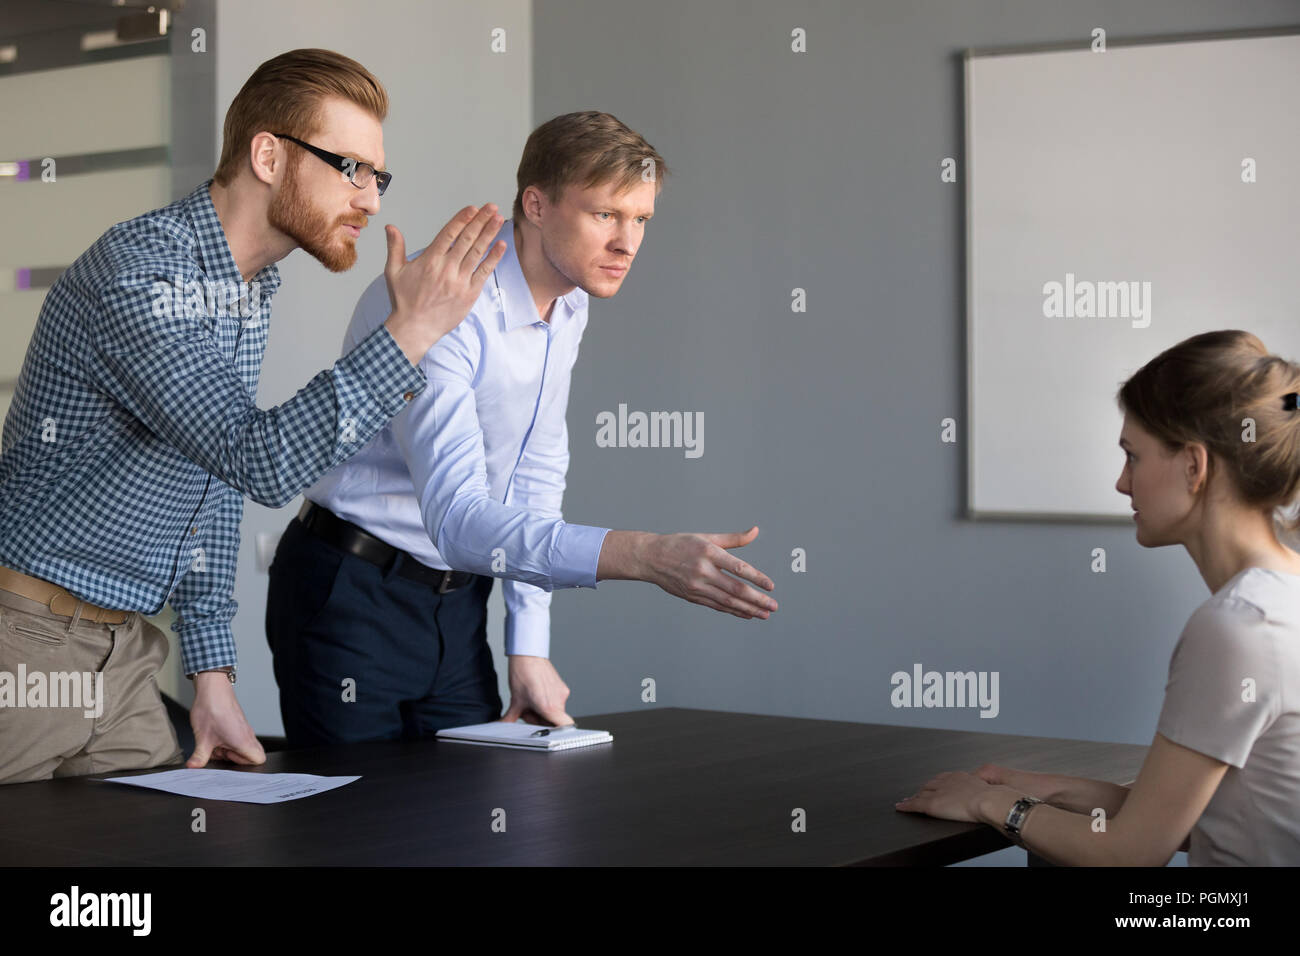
1234 694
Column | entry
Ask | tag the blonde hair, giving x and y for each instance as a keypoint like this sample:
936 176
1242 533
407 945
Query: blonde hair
586 148
284 95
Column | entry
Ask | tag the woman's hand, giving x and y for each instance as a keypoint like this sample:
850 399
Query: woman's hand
952 796
1045 786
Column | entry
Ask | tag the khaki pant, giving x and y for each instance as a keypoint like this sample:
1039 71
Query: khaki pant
121 725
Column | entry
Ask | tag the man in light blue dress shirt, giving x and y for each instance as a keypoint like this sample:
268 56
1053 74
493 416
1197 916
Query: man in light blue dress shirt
373 635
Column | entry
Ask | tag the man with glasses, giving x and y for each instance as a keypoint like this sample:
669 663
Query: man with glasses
133 435
358 173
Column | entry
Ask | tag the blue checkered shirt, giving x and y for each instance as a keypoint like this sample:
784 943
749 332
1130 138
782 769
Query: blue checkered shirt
133 434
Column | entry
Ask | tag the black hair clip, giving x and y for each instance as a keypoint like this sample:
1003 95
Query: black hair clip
1289 401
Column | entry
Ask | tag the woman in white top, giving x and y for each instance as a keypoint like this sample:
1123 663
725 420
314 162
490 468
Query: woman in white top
1211 438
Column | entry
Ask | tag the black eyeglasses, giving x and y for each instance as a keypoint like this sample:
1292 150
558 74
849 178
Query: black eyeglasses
356 172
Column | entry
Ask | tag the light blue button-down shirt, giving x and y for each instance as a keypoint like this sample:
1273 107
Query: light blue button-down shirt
471 474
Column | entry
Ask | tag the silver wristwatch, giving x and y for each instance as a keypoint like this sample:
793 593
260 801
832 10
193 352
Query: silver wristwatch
1016 817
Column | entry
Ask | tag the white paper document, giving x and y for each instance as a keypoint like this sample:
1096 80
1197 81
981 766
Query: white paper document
236 785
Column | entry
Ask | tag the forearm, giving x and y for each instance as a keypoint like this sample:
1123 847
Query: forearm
1081 795
412 336
327 421
474 533
620 556
203 598
169 372
1058 835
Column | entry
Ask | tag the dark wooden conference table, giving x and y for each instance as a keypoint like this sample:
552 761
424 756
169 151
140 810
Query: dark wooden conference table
676 787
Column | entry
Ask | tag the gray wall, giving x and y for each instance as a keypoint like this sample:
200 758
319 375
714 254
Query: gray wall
821 170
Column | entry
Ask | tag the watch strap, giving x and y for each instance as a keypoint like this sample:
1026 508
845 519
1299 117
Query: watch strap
228 670
1017 814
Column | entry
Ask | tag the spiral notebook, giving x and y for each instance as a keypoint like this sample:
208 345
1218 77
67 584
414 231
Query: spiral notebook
521 736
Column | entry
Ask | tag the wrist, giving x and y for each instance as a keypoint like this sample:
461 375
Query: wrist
994 805
413 338
213 681
1051 788
1043 786
641 564
622 556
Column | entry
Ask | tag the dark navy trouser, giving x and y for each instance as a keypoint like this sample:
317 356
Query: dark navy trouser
419 660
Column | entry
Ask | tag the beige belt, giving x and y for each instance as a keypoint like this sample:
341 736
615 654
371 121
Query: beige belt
58 600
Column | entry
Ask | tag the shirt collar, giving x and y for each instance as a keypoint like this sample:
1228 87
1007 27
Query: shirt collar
214 253
517 299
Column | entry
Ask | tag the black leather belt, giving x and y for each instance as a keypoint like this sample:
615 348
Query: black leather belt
354 539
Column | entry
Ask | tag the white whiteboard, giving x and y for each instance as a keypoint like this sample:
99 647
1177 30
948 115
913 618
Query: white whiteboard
1117 167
